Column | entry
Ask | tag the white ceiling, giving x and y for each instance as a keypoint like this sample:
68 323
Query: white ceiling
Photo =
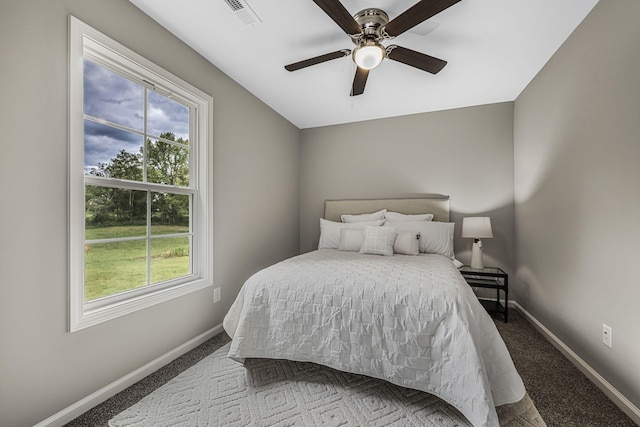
494 48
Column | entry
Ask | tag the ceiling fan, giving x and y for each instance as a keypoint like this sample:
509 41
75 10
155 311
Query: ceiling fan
368 28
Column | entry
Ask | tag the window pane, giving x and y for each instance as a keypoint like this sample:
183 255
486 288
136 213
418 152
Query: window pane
111 268
167 164
167 117
170 258
114 212
170 213
112 97
111 152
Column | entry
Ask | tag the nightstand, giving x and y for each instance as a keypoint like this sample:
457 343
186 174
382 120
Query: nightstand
490 278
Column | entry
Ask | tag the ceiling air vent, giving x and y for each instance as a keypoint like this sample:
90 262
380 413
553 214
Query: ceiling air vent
243 11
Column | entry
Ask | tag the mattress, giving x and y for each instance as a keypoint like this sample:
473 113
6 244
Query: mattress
410 320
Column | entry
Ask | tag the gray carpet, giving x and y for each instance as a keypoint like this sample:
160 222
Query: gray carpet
562 395
220 392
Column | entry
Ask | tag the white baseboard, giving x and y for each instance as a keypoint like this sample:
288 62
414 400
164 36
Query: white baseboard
612 393
74 411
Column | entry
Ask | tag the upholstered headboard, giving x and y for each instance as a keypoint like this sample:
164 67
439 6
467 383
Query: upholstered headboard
438 205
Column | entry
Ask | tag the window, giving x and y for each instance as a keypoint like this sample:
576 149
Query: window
140 209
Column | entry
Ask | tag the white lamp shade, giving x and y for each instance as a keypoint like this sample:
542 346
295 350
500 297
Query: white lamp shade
477 227
368 56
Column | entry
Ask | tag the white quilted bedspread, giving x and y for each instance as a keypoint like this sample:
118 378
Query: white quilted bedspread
410 320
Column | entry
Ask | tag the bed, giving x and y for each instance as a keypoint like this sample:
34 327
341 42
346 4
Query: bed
408 319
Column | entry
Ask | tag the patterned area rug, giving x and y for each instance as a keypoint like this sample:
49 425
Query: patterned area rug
220 392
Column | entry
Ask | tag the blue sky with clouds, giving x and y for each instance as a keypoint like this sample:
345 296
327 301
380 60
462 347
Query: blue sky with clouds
111 97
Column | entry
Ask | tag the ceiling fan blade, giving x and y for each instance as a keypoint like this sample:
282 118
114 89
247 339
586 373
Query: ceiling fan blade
359 81
415 59
416 14
340 15
317 60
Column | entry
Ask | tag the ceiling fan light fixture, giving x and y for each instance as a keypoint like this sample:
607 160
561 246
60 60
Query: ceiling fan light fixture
369 55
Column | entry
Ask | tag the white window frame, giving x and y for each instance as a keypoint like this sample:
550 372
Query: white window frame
84 39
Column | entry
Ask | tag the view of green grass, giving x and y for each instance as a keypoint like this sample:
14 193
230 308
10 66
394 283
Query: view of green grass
95 233
111 268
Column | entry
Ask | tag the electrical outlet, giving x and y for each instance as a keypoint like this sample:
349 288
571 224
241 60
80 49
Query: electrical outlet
607 335
216 295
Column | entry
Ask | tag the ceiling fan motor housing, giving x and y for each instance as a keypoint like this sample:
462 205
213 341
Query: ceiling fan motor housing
371 21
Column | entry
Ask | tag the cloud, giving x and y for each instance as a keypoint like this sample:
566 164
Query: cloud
166 115
102 143
112 97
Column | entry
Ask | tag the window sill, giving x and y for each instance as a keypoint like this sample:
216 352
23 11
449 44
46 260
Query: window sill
91 317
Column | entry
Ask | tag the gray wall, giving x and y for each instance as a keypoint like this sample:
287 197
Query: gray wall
577 163
464 153
44 369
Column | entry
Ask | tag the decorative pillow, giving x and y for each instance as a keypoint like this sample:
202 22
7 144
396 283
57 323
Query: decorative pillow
378 240
435 237
407 243
330 231
364 217
350 239
399 217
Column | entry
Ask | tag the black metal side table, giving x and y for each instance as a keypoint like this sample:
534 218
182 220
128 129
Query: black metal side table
490 278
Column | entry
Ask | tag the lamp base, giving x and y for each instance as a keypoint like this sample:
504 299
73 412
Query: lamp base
476 256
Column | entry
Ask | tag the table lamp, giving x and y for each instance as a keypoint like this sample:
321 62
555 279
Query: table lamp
478 227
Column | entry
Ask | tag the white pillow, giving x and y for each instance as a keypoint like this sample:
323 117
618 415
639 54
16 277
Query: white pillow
350 239
398 217
364 217
378 240
330 231
407 243
435 237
